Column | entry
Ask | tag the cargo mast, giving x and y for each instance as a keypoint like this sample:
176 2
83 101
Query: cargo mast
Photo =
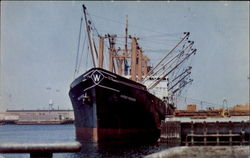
87 23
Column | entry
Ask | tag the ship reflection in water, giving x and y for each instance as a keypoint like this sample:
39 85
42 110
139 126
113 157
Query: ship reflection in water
66 133
90 150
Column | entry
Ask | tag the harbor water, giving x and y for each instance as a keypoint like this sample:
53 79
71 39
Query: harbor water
66 133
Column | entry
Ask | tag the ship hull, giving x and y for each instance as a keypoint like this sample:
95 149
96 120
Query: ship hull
109 107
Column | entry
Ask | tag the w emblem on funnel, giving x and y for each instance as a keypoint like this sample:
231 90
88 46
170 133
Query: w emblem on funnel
97 77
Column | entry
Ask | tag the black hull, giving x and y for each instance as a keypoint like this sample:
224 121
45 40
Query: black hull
109 107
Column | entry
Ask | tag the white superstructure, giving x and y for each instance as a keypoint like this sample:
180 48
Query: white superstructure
160 90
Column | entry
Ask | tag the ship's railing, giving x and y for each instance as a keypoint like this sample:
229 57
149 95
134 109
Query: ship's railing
38 150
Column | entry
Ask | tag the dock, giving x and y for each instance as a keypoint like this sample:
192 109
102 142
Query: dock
37 117
213 131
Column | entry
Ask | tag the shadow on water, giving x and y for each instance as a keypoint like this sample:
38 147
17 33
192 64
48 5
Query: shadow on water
65 133
116 150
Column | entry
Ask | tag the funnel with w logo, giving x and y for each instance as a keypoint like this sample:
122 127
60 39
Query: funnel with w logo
97 77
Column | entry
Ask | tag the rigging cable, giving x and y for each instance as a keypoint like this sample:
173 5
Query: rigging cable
87 58
92 24
198 101
149 30
78 47
84 41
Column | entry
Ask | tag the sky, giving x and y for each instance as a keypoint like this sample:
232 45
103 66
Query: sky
39 45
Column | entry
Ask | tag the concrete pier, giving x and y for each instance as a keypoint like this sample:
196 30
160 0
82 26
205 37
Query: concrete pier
40 150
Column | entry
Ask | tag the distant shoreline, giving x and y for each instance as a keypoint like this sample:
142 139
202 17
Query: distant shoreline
10 122
29 117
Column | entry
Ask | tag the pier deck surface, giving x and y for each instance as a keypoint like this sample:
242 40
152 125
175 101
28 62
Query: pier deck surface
204 152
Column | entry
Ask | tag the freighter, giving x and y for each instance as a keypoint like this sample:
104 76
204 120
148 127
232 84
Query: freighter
119 103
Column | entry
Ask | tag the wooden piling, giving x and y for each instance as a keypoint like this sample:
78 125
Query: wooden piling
208 132
205 132
170 133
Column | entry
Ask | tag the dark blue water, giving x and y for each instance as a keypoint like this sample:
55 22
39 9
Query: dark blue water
66 133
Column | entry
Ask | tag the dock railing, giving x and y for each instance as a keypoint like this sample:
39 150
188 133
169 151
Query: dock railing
221 133
40 150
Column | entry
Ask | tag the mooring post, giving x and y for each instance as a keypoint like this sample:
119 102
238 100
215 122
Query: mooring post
230 132
192 133
242 132
179 132
41 155
205 132
217 133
